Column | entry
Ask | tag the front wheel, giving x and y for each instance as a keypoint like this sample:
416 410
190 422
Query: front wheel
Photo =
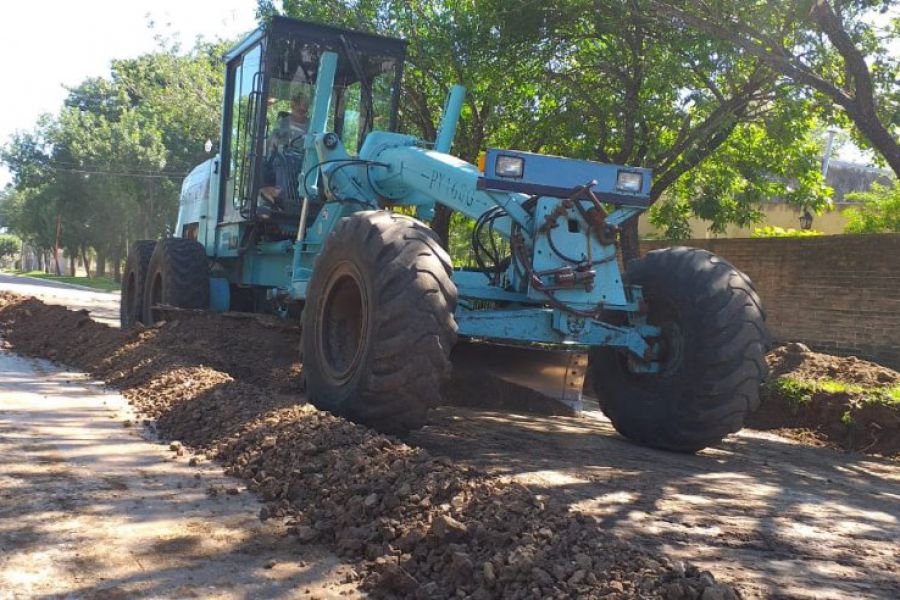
378 323
712 361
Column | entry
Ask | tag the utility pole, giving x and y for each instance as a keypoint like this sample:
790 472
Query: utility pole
828 147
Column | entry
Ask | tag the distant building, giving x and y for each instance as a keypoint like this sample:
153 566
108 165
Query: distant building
846 177
843 177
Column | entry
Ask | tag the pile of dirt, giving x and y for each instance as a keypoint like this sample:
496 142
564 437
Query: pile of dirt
830 400
419 526
799 362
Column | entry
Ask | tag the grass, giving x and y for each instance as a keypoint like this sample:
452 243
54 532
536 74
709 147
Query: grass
799 392
106 284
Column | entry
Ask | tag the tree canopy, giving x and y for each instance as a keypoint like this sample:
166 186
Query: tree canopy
108 167
722 99
603 80
878 210
836 50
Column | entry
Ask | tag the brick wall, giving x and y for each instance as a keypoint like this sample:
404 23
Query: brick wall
837 294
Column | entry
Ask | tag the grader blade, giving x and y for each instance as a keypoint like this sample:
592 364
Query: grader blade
557 375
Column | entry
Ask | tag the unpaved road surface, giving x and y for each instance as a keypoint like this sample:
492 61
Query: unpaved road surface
776 518
103 306
89 509
771 516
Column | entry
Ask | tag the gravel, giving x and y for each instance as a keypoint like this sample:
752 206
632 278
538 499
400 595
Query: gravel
419 526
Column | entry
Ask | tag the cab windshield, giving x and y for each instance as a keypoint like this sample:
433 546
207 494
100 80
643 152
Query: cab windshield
361 101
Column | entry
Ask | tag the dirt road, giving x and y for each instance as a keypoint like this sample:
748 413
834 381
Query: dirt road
776 518
773 517
103 306
89 509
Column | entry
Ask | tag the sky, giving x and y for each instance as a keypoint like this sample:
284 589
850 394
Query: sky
49 44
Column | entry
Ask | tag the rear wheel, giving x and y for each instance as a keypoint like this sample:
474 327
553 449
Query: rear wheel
378 323
713 346
131 303
177 276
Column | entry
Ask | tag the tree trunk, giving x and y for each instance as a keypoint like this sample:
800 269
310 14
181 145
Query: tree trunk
629 240
72 264
117 269
86 262
880 138
100 266
440 224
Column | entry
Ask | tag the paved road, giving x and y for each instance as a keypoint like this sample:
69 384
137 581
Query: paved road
103 306
90 509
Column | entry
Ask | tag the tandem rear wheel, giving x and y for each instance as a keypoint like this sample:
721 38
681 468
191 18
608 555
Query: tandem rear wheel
177 276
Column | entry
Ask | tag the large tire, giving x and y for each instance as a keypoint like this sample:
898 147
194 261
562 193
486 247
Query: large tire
177 276
131 302
378 323
713 354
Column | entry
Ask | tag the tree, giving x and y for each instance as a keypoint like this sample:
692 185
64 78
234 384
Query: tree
715 126
878 211
109 165
594 79
831 47
9 245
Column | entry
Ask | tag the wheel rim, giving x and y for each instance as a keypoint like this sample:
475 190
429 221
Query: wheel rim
664 315
671 354
343 324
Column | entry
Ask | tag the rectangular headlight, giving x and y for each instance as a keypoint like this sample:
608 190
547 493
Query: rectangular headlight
629 181
509 166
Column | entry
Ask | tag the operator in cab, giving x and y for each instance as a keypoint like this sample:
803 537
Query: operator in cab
284 155
290 125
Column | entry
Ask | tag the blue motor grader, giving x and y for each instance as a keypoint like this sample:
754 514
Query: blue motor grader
315 207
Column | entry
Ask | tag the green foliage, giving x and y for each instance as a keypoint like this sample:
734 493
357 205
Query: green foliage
9 245
847 418
878 211
109 166
101 283
839 55
605 80
797 392
672 216
460 246
773 231
600 80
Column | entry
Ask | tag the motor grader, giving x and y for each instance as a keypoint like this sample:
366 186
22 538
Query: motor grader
326 221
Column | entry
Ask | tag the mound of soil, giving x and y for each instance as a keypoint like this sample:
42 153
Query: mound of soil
799 362
419 526
845 419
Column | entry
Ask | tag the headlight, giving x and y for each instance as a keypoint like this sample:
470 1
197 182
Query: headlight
509 166
629 181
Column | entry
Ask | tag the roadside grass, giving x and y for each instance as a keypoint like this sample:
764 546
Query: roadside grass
799 392
106 284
